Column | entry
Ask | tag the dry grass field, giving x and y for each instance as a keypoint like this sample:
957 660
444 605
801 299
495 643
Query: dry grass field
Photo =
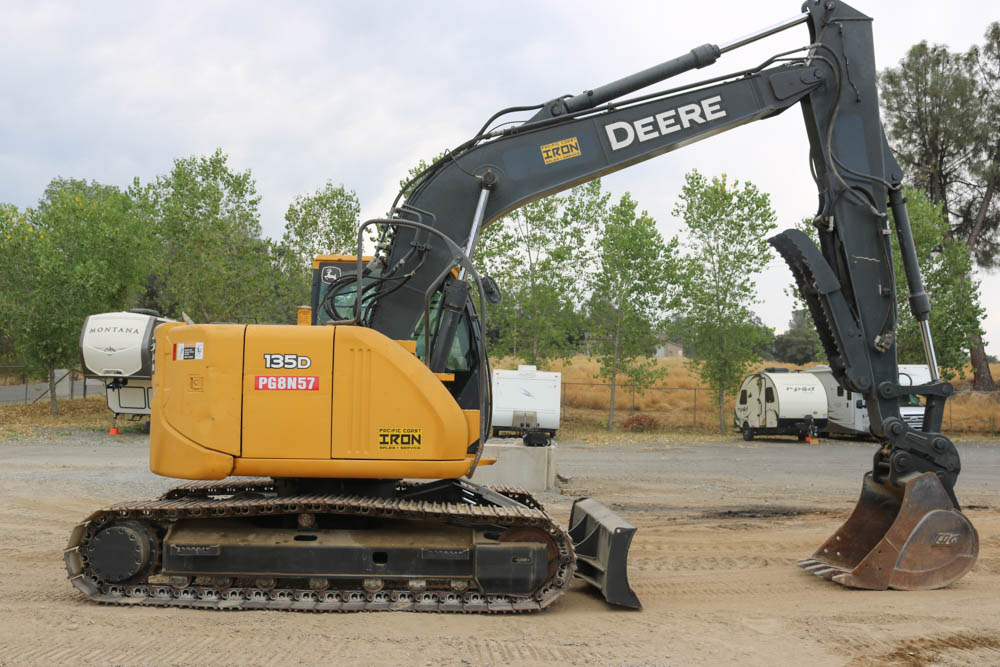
22 420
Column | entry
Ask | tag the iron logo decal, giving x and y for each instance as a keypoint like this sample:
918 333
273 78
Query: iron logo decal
560 150
399 438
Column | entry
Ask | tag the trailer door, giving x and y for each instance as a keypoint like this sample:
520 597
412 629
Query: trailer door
770 405
756 414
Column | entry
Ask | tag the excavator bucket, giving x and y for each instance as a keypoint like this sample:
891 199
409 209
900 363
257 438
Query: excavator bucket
601 540
908 539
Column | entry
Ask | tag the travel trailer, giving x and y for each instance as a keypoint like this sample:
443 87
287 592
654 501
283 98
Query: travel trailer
526 403
117 348
777 402
848 414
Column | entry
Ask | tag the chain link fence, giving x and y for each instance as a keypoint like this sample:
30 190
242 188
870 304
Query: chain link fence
697 407
18 387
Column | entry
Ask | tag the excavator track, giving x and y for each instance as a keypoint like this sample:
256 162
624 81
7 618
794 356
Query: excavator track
244 498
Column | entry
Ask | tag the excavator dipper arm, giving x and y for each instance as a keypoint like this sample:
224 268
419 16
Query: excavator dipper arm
847 282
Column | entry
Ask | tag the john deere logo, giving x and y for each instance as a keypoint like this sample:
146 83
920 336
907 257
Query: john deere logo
560 150
330 274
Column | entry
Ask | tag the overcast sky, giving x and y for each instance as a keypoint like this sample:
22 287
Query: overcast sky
301 93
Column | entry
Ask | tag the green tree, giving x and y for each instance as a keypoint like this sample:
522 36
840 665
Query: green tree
946 266
15 256
930 104
942 114
979 213
796 346
800 344
325 222
212 261
538 255
81 251
630 288
725 249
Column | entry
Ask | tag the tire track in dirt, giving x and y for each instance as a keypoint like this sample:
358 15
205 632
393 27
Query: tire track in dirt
696 563
64 593
987 565
74 647
961 648
669 590
493 651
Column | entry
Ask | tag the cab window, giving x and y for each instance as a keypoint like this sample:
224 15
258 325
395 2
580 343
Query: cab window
458 356
343 302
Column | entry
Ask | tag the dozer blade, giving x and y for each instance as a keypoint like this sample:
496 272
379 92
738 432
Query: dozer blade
601 540
907 539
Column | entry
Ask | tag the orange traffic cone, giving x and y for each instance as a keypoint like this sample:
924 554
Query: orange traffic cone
113 430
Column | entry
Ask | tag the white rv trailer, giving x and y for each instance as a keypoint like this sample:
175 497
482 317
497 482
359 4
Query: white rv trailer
118 349
777 402
848 412
526 403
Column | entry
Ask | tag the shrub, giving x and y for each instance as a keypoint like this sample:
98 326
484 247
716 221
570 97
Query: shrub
641 423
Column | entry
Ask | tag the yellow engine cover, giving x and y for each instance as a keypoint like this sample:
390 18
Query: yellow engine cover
293 401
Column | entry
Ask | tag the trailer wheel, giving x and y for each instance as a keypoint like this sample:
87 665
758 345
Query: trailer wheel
747 432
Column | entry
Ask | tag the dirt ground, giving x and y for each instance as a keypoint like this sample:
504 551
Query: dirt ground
721 525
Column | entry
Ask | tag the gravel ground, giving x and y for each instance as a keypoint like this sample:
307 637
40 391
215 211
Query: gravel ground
721 524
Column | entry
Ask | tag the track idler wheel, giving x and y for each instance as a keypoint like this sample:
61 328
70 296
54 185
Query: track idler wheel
907 539
122 551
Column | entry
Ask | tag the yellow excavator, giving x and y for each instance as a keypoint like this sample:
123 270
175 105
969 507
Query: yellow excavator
333 461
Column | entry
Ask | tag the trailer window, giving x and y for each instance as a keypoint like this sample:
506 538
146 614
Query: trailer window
743 397
840 391
769 395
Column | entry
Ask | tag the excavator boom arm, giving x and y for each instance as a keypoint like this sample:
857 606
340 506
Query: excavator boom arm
848 282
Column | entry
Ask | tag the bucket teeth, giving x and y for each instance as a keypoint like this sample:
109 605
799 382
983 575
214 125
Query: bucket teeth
821 570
